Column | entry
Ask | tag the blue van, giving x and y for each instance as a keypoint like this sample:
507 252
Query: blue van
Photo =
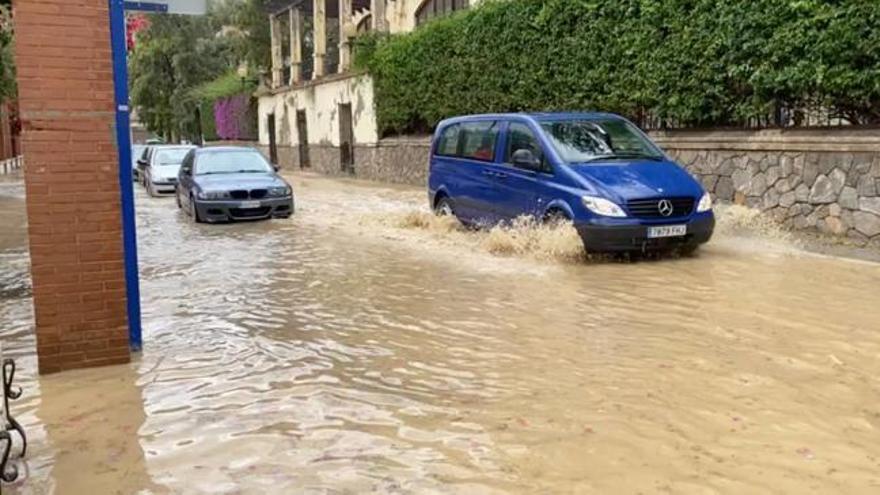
597 170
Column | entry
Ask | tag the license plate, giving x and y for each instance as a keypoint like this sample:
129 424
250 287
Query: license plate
249 204
667 231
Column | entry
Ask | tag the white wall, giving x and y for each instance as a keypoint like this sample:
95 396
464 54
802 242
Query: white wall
401 14
321 102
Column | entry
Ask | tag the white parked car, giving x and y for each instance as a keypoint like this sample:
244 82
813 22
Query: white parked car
160 166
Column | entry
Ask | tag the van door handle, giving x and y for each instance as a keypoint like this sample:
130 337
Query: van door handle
500 175
488 173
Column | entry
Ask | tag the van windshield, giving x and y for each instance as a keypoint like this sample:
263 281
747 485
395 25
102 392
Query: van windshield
581 141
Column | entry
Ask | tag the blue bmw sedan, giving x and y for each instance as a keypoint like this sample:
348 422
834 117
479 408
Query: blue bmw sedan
228 183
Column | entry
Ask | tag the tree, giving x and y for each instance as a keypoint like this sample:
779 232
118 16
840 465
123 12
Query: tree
7 60
247 24
171 57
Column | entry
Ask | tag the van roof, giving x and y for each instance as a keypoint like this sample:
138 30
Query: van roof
536 116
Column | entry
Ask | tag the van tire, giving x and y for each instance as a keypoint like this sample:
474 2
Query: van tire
556 216
444 207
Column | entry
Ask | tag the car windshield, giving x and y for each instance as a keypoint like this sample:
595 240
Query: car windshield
171 156
231 162
580 141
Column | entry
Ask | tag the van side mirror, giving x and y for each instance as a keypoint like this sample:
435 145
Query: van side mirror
275 167
525 159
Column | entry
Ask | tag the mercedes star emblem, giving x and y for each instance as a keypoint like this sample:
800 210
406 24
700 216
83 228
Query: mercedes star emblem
664 206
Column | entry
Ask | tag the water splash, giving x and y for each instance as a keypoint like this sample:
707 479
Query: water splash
524 237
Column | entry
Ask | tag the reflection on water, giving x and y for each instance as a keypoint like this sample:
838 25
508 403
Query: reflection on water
365 347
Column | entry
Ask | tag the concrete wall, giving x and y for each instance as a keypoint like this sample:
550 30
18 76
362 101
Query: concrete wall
65 84
827 180
320 99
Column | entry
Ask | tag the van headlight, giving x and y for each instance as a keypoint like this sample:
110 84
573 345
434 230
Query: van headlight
602 206
279 191
705 203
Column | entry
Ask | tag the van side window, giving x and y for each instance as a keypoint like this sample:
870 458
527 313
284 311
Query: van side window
478 140
448 142
521 137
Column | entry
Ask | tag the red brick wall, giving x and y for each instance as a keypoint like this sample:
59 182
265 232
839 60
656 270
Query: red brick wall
66 101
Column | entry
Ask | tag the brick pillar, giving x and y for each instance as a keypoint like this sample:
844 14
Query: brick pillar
65 83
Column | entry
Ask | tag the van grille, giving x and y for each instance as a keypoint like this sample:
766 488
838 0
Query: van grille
650 208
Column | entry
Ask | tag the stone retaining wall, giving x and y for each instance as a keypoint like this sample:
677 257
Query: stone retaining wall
821 180
824 180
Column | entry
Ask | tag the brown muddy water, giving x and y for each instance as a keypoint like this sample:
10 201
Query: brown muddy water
364 346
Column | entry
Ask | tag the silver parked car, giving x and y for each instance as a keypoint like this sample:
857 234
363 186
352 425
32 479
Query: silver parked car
160 167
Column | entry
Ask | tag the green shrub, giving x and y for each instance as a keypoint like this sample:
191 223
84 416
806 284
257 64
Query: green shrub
209 125
229 84
684 63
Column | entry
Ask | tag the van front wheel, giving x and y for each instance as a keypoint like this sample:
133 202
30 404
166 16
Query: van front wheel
444 208
556 217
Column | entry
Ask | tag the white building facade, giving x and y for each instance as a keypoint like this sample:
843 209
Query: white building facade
318 113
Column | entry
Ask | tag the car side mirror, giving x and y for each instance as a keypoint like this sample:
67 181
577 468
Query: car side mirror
525 159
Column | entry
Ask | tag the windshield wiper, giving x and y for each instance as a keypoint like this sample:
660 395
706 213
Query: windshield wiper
624 156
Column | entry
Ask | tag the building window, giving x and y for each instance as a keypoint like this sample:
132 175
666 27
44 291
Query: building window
431 9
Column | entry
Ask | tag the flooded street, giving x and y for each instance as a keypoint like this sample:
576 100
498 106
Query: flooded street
365 346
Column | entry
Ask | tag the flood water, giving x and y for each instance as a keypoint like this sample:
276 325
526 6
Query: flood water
364 346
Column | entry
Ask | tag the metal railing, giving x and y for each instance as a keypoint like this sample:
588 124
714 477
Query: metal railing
11 164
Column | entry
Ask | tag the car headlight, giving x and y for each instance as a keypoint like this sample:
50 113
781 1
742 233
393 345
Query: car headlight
602 206
705 203
279 191
214 195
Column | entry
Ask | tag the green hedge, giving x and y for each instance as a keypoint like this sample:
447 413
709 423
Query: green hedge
209 125
668 62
